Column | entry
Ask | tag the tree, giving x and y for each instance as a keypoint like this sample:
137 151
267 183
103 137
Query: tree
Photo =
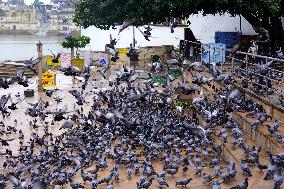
75 42
37 2
2 12
108 13
17 2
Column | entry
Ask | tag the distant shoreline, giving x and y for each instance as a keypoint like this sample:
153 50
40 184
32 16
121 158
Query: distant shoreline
17 32
34 32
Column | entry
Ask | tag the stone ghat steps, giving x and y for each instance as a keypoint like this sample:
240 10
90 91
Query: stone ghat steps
270 104
9 70
260 135
231 155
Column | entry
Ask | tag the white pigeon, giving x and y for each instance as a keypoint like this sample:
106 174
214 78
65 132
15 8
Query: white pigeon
124 25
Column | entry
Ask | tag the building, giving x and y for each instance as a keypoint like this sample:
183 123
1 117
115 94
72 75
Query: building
62 20
19 21
16 2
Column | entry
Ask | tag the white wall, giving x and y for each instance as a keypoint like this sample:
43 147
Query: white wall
161 36
204 27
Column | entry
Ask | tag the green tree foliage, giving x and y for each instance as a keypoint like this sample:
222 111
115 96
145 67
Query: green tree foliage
76 41
105 14
16 2
2 12
37 2
108 13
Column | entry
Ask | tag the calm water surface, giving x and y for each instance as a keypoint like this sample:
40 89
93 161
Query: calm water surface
22 47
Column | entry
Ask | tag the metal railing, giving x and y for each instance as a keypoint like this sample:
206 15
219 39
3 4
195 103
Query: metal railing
247 68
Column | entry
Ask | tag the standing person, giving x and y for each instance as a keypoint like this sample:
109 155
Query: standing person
263 41
264 49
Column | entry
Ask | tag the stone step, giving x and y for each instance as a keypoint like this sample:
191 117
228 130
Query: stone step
260 135
270 106
234 156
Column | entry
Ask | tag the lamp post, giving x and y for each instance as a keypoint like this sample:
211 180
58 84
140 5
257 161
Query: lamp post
39 66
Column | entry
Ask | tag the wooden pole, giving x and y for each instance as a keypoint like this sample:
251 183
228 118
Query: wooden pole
39 68
109 61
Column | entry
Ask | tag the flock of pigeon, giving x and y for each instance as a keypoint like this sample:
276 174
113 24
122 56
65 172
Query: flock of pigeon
110 48
129 129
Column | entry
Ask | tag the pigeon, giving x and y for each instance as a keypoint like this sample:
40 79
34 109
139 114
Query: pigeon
31 63
21 78
173 25
146 184
5 82
183 183
278 179
217 185
68 124
245 169
17 182
161 181
106 179
243 185
124 25
72 71
261 166
145 35
104 70
3 101
114 53
55 57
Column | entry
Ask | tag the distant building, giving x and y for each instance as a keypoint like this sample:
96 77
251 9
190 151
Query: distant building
43 7
39 19
64 3
16 2
62 20
19 21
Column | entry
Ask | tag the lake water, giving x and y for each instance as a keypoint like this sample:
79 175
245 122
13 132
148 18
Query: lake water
203 27
23 47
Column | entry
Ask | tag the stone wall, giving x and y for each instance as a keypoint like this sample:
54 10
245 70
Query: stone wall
145 54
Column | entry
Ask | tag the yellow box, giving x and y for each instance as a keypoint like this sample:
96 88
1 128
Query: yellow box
122 52
48 75
79 63
50 63
48 79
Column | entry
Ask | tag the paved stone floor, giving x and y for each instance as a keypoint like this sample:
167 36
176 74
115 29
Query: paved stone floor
64 85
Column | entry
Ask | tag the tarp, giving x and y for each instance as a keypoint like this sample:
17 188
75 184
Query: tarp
175 73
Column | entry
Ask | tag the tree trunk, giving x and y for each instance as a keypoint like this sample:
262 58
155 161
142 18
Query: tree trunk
272 24
72 53
276 33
